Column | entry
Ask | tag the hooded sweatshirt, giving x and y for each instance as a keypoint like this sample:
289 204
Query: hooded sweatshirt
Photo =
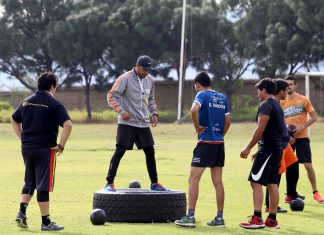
134 95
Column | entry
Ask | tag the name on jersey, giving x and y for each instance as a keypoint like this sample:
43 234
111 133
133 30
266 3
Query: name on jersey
25 104
294 110
213 105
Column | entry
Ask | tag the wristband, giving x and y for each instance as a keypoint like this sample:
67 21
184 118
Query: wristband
61 147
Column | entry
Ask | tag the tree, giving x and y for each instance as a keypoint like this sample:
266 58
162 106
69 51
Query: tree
217 48
144 27
24 49
310 19
79 41
277 44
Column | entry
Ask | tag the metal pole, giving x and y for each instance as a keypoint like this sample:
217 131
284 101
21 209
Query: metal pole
181 72
308 96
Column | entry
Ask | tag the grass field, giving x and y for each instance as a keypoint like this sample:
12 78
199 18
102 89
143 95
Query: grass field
82 168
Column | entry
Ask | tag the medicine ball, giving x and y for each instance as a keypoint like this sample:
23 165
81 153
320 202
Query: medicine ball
134 184
98 217
297 204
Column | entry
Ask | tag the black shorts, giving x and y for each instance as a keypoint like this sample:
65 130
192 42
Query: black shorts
208 155
265 168
128 135
303 150
39 168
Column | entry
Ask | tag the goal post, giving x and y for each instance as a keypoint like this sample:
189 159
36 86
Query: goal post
307 89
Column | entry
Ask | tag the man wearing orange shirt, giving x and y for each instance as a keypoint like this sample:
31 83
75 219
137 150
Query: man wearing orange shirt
296 107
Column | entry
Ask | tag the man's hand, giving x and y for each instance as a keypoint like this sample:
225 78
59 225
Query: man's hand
253 156
201 129
58 149
292 141
245 153
154 121
126 116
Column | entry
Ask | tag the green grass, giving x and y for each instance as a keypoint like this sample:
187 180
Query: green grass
82 168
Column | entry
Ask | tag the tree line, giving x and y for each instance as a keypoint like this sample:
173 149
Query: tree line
92 42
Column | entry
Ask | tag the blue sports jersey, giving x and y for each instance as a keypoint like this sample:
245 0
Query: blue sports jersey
213 108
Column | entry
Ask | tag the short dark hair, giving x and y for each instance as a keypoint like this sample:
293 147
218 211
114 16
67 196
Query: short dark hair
203 79
281 85
291 78
268 84
46 80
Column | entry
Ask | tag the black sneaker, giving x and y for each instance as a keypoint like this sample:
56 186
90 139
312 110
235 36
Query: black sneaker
186 221
21 220
51 227
217 222
281 210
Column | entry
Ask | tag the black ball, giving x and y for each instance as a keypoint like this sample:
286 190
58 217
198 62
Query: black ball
297 204
134 184
291 130
98 217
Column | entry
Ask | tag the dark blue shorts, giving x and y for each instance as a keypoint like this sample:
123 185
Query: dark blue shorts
303 150
128 135
39 168
265 168
208 155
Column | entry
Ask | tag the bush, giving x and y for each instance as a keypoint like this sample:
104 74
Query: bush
4 105
244 115
167 116
97 116
6 111
242 110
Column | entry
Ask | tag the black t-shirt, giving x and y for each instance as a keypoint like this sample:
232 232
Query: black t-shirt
273 133
40 115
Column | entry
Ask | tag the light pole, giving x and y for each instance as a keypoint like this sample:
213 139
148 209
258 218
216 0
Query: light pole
181 68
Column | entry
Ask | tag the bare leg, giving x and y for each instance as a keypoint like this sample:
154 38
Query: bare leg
216 174
44 208
257 196
274 198
311 175
195 175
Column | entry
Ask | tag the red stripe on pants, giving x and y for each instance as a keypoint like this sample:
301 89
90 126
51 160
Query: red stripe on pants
51 173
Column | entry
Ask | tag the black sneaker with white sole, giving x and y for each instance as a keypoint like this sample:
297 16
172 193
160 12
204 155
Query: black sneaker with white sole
51 227
21 220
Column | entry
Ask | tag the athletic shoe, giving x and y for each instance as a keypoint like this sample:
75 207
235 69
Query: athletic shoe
110 188
254 223
186 221
317 197
289 198
270 223
51 227
158 187
279 210
217 222
21 220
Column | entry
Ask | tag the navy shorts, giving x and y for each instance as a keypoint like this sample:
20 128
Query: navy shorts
128 135
265 168
39 168
303 150
208 155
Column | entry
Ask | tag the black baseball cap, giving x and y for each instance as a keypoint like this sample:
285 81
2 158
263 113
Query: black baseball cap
145 62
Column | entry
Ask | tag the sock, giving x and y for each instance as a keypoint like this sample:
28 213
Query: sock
191 212
219 215
272 216
46 220
315 192
258 213
23 207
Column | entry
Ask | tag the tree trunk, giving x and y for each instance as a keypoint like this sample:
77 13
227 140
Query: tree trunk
229 91
87 97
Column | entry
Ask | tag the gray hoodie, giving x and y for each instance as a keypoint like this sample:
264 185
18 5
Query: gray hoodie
133 95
